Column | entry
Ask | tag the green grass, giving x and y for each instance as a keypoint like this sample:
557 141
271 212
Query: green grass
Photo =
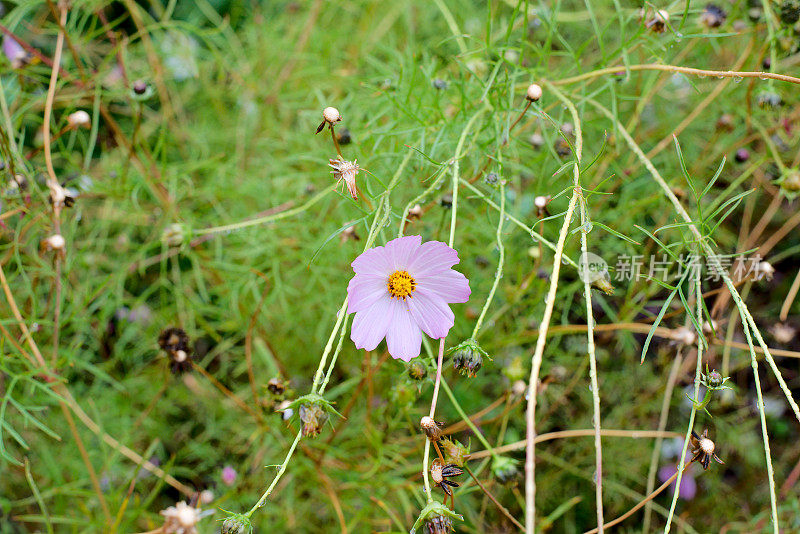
234 141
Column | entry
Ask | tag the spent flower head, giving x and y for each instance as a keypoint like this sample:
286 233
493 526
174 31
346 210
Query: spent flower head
468 357
314 412
345 172
401 290
436 519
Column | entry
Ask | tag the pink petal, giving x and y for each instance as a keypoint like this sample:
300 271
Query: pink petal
433 257
431 313
374 262
370 325
364 290
403 337
401 252
451 286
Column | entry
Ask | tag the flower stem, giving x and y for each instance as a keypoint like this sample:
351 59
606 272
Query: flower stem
499 272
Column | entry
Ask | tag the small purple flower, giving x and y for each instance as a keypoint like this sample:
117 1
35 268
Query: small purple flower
14 52
402 290
688 488
228 475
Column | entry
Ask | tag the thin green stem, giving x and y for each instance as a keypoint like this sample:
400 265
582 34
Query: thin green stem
698 295
499 272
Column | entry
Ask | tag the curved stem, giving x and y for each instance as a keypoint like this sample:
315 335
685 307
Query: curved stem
675 68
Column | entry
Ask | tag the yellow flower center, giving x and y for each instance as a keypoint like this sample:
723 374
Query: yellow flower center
401 285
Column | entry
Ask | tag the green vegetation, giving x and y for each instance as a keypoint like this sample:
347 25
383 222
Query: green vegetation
181 167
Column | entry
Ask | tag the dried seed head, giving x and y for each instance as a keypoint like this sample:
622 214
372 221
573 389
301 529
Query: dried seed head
344 137
709 328
438 524
467 360
331 115
536 140
534 92
707 445
176 344
54 242
276 386
180 519
713 16
415 212
658 23
79 119
685 336
541 201
769 100
783 333
790 12
60 197
764 269
349 234
431 428
436 471
346 171
726 122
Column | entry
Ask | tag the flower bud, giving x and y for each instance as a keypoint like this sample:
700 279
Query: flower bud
769 100
790 12
713 16
313 417
236 524
416 370
54 242
331 115
79 119
505 469
534 92
438 524
742 155
715 379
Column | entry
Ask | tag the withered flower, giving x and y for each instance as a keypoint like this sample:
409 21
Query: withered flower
432 429
345 172
175 342
703 449
440 474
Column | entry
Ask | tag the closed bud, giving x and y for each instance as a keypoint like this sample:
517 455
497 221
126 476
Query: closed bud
416 370
236 524
505 469
438 524
79 119
534 92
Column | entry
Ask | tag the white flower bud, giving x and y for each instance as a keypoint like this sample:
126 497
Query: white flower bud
534 92
55 242
331 115
79 119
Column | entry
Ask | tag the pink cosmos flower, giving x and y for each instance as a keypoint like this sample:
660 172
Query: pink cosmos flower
402 290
